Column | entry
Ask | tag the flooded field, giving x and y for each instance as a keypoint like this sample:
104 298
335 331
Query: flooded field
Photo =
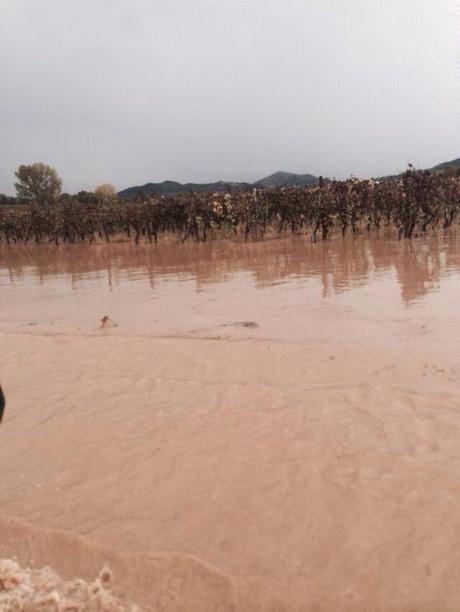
256 426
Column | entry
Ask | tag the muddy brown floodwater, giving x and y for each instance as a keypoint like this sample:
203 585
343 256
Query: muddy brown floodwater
266 426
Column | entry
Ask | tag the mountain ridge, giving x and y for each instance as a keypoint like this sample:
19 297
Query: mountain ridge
454 163
277 179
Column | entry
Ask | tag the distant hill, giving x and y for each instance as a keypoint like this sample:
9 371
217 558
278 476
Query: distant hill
278 179
281 179
450 167
173 188
454 164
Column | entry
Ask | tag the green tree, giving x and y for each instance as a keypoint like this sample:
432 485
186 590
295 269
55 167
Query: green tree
38 182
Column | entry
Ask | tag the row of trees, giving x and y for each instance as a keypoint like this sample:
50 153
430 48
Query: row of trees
40 184
414 203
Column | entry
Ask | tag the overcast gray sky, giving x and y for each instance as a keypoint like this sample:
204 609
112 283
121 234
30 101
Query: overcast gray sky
131 91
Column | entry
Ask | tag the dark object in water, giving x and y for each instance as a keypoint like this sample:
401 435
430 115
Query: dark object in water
2 403
107 321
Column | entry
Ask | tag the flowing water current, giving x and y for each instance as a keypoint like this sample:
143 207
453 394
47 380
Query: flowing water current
232 426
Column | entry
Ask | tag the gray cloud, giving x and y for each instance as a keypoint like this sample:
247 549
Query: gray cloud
145 90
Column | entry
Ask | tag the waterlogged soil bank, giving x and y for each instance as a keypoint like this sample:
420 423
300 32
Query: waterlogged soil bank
240 467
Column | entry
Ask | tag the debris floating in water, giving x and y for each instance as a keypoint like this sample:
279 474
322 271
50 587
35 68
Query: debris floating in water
42 589
107 322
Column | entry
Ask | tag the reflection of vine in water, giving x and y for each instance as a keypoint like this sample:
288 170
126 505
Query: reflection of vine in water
415 203
340 264
421 270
